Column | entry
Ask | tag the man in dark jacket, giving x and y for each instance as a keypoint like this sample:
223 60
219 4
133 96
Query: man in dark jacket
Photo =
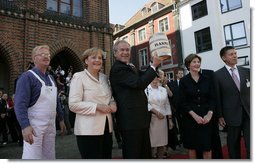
133 118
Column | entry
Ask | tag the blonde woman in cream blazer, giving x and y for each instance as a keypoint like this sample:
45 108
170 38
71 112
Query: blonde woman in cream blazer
90 98
158 105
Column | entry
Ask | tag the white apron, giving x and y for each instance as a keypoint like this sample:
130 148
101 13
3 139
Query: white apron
42 117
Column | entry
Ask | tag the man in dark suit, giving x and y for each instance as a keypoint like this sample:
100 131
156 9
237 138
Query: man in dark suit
132 116
233 101
176 115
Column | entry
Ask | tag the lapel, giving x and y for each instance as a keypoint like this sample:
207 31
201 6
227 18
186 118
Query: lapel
242 78
228 77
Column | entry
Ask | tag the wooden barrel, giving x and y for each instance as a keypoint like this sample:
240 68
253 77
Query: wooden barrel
159 45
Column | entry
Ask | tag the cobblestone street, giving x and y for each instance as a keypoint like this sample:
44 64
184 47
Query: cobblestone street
66 148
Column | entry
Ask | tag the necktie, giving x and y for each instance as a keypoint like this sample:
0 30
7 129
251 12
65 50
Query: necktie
235 78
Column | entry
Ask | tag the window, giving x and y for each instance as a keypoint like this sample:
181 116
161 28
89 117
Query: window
156 7
144 11
69 7
199 10
203 40
77 9
163 25
143 56
170 76
228 5
142 34
243 61
235 34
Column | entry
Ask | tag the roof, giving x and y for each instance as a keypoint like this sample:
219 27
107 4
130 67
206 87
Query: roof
142 14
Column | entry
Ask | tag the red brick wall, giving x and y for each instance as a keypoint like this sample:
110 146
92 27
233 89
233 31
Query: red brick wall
19 34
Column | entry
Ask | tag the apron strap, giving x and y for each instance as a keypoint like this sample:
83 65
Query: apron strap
37 77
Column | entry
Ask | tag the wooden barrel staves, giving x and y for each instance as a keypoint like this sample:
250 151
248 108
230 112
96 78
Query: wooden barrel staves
159 45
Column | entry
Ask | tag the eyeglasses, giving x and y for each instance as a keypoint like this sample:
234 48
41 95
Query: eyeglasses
44 55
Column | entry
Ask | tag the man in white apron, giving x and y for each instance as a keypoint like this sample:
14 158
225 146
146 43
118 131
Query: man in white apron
35 108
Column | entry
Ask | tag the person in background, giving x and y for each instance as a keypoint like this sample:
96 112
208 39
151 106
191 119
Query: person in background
90 98
128 85
63 101
35 107
15 122
159 106
233 101
197 103
68 81
10 118
177 116
3 119
172 128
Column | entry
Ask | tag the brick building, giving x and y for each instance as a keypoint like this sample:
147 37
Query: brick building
68 26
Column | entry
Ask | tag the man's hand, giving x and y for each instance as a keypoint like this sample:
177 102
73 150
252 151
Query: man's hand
28 134
156 61
62 127
222 122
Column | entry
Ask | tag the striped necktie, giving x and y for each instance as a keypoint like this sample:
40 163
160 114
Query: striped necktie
235 78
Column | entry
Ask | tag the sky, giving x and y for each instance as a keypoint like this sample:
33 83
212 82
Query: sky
122 10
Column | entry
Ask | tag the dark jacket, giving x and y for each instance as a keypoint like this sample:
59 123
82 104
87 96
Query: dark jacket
128 91
231 101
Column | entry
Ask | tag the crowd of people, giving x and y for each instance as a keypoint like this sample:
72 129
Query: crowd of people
146 112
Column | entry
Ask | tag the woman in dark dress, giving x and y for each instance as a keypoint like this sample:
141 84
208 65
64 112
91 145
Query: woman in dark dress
197 106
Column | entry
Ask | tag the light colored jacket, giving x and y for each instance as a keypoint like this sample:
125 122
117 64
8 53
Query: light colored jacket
160 103
85 93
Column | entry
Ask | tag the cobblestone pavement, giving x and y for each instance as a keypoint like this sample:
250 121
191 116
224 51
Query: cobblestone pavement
66 148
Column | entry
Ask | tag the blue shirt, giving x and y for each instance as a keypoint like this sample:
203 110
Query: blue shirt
28 89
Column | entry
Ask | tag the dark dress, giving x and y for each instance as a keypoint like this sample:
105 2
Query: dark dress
199 97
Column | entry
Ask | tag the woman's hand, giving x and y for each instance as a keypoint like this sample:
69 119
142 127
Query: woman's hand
104 108
113 107
196 117
208 117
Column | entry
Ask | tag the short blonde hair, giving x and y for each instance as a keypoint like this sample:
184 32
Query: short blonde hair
34 51
89 52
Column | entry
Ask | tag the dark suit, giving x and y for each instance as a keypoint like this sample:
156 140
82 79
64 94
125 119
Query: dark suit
132 116
234 106
176 115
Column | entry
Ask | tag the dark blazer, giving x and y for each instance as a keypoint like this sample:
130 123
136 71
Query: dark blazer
128 91
199 96
230 100
173 85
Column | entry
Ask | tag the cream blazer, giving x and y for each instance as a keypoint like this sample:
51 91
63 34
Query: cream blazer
160 103
85 93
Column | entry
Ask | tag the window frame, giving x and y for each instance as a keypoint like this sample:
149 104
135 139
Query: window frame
142 38
170 75
58 4
231 33
198 8
228 8
165 24
200 40
143 57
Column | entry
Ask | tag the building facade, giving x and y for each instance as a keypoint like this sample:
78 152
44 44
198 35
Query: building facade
206 26
69 27
155 16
